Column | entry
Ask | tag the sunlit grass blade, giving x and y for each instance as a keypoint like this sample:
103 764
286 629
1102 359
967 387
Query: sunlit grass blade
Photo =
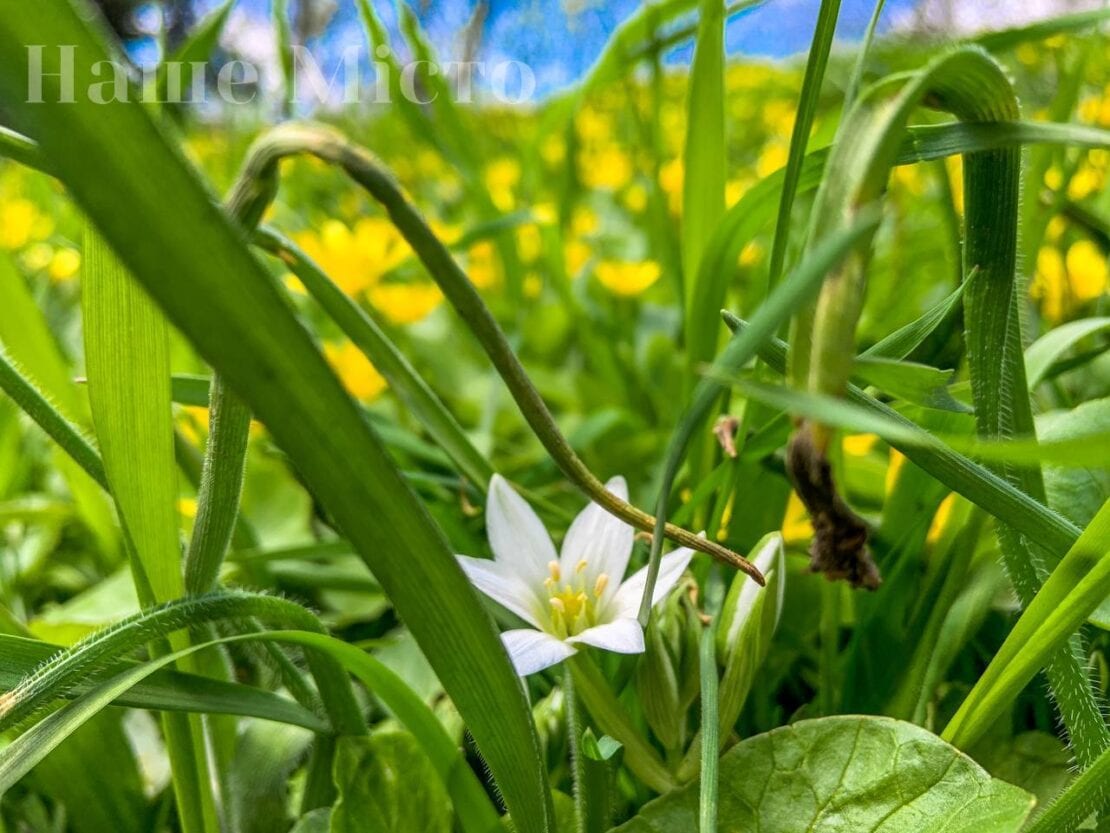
1078 585
803 122
1057 25
228 306
1045 351
703 184
67 435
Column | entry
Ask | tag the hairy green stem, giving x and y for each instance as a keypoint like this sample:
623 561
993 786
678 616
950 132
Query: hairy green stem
610 717
58 675
1087 794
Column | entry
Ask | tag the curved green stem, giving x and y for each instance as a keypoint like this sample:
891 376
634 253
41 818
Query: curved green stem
257 186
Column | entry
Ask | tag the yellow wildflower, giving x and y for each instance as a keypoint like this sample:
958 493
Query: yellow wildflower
944 512
635 198
671 176
502 177
405 303
1087 270
482 265
772 158
575 254
360 377
1050 282
751 253
956 179
858 445
627 278
19 222
529 242
356 260
65 264
796 527
584 221
607 167
1086 181
893 469
533 285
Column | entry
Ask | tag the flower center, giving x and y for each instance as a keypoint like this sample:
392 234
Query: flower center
573 605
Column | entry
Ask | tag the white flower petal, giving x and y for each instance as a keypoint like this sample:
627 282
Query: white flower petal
622 636
507 590
627 601
516 535
533 651
602 539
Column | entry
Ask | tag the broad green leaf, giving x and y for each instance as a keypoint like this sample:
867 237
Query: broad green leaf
128 368
904 340
227 305
918 384
386 782
1049 348
835 774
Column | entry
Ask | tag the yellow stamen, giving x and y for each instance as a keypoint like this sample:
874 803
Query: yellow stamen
580 566
600 585
557 603
553 568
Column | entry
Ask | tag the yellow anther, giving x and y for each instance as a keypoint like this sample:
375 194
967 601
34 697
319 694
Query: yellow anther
600 585
580 566
553 568
557 603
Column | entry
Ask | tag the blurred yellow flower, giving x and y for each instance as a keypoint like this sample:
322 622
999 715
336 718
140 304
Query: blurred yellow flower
529 243
607 167
1063 283
627 278
575 254
65 264
635 198
858 445
22 223
772 158
1087 270
796 527
1086 181
944 512
482 265
359 376
533 285
751 254
502 176
405 303
671 176
584 221
356 259
38 257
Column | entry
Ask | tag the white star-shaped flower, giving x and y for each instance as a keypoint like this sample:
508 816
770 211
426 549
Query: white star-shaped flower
575 598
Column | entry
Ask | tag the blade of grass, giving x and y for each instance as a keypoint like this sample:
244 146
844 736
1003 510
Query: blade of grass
228 306
803 123
1078 585
703 185
166 690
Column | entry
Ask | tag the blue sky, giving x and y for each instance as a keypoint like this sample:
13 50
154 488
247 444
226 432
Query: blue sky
559 46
